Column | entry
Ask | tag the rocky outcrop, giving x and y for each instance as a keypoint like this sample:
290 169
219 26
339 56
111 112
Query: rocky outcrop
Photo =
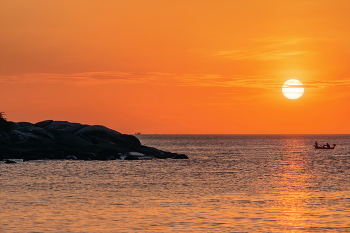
65 140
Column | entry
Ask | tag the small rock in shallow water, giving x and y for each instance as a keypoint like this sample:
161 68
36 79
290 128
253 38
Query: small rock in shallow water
131 157
72 157
10 161
136 154
180 156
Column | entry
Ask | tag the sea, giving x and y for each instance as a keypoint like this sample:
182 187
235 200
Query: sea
230 183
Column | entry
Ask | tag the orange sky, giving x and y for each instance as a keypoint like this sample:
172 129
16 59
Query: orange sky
177 66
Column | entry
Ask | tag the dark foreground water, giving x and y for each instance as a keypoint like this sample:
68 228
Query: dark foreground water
232 183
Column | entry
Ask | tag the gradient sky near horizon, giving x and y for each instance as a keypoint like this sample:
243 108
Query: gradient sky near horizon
177 66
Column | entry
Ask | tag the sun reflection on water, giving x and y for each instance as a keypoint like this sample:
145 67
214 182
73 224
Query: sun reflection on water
293 199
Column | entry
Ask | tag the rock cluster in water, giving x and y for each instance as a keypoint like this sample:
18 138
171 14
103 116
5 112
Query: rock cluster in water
65 140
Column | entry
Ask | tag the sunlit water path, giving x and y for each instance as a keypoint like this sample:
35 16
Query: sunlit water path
232 183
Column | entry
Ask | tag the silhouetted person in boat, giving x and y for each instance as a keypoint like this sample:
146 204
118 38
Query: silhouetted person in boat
316 144
328 146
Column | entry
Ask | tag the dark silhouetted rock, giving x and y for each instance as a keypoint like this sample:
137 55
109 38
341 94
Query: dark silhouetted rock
65 140
42 124
108 154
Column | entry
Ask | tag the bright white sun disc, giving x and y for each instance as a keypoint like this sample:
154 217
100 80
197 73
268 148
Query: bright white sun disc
293 89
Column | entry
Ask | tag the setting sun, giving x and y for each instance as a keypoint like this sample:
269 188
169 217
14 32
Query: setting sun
293 89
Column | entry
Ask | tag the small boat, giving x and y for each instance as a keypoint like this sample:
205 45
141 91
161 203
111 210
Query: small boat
326 147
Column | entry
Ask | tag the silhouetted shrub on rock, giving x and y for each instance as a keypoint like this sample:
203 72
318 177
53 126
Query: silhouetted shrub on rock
5 125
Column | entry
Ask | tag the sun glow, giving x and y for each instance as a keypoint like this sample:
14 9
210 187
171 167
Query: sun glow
293 89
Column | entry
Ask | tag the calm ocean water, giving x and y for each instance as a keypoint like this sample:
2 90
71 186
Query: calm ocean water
232 183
